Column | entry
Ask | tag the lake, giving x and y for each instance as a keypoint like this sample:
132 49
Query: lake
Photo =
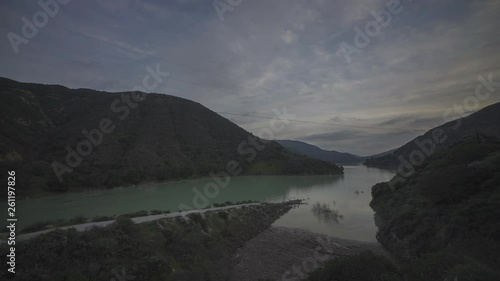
336 205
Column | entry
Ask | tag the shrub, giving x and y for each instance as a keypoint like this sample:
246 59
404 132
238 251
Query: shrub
223 215
198 218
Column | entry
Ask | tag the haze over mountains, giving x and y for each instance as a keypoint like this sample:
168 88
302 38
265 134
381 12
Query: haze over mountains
332 156
315 152
227 140
93 139
483 124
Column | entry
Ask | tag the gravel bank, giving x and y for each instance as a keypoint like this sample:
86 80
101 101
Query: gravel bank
282 253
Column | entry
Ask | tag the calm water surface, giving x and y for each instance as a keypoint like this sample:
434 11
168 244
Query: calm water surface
336 205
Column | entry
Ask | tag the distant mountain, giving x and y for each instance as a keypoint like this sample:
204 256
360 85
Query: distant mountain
315 152
97 139
379 154
483 124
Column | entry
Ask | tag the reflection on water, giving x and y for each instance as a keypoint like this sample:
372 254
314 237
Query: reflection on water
165 196
351 217
340 209
324 213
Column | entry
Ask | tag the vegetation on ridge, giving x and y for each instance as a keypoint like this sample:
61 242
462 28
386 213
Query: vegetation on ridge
195 247
161 138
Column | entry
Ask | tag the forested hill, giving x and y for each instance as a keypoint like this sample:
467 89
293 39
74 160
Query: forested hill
98 139
484 123
447 212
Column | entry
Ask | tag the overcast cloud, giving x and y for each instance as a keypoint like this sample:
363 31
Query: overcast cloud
270 54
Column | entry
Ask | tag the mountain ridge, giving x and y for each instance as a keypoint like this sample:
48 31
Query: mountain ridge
159 138
484 123
316 152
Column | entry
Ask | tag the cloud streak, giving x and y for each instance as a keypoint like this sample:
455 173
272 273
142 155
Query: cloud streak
266 55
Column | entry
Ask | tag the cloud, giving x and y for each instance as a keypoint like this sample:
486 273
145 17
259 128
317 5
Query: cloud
269 55
334 136
289 37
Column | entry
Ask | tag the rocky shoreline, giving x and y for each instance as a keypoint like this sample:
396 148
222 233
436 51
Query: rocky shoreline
237 242
281 253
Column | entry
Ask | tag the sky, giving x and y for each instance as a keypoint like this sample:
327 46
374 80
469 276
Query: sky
254 58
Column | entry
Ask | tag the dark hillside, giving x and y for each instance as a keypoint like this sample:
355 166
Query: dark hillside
160 138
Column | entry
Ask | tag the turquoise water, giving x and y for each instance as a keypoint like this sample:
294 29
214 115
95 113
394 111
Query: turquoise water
344 211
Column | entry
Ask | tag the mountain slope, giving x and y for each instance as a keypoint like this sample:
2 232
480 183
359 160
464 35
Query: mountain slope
485 124
439 224
101 139
318 153
448 208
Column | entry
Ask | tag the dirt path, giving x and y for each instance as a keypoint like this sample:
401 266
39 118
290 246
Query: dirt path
281 253
89 225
